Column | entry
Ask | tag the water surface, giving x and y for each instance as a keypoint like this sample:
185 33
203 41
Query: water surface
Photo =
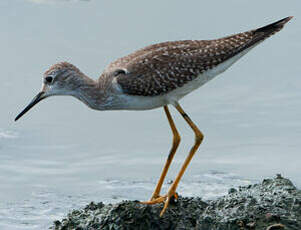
61 155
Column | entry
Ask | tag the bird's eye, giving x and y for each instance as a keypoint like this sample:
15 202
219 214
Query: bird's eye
49 79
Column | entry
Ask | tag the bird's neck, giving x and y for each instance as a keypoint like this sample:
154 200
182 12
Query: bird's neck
92 93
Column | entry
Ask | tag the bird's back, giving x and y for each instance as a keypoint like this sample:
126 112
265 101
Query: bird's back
160 68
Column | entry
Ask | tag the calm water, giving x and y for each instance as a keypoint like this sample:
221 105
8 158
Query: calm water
62 155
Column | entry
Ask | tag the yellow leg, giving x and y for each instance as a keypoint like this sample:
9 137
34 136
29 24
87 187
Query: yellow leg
175 144
198 140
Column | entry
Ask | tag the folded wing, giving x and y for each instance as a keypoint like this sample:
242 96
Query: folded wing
163 67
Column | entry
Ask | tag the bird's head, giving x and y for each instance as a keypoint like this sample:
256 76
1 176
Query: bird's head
60 79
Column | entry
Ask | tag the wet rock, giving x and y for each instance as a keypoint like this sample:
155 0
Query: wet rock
273 204
232 190
275 227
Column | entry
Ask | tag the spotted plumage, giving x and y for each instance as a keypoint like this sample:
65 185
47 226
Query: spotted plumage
156 76
160 68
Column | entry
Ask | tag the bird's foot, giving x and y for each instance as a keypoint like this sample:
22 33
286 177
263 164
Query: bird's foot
166 199
155 196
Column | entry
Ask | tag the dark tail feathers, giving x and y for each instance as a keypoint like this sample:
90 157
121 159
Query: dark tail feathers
274 27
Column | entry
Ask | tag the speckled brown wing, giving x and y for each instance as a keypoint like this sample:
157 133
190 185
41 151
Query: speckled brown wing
160 68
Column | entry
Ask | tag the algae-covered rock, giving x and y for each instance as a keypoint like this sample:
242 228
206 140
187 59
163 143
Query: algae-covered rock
273 204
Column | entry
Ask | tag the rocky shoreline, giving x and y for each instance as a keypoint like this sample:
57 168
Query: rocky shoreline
273 204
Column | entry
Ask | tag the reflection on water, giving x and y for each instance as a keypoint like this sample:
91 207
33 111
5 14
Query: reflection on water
62 155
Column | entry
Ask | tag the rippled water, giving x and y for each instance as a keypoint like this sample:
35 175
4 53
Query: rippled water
62 155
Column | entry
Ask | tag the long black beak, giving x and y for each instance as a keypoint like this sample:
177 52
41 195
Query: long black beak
34 101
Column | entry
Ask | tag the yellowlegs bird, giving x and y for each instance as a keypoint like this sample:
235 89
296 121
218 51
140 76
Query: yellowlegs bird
155 76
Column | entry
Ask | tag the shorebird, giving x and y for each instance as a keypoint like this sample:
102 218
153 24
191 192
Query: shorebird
158 75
